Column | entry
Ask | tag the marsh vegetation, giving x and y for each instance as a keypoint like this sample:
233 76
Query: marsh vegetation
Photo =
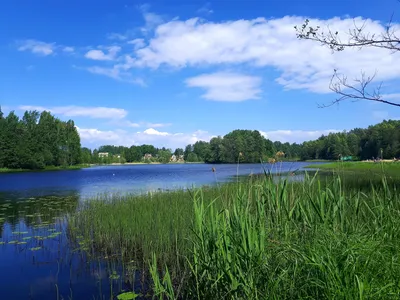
257 239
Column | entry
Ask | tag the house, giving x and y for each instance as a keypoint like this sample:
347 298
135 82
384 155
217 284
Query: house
175 158
103 154
148 156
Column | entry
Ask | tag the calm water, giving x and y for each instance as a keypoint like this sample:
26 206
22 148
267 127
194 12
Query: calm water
36 259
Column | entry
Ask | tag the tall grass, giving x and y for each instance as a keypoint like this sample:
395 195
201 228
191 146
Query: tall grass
257 239
370 168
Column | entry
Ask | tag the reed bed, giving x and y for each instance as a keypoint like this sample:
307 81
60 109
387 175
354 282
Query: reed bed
258 239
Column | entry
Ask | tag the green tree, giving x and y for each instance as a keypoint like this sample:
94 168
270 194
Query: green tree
86 155
192 157
188 150
202 150
178 152
164 156
37 140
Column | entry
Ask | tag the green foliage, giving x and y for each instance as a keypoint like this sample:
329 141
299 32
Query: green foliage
37 141
192 157
178 152
362 143
164 156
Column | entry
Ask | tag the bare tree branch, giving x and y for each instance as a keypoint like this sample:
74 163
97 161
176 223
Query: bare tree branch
340 85
358 38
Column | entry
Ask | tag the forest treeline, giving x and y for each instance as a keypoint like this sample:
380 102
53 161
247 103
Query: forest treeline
39 140
377 141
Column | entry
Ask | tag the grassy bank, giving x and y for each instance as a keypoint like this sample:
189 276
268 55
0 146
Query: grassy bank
380 168
254 239
317 160
48 168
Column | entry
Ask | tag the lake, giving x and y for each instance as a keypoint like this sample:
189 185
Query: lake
36 258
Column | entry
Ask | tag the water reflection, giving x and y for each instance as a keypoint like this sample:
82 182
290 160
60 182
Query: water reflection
128 178
35 258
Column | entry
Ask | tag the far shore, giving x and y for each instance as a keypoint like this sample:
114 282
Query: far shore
144 163
47 169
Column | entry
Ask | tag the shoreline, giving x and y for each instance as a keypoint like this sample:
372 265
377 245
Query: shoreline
47 169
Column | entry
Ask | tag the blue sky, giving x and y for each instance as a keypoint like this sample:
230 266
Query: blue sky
170 73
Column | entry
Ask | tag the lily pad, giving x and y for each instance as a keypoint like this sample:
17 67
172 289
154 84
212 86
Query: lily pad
127 296
20 232
35 249
54 234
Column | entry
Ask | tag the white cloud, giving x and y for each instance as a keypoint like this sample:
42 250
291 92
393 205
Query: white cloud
137 43
115 73
116 116
151 19
37 47
43 48
81 111
109 72
100 55
68 49
131 124
224 86
258 43
116 36
295 136
152 131
98 137
267 43
95 137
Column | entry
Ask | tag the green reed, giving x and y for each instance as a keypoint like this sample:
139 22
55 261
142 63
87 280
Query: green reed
257 239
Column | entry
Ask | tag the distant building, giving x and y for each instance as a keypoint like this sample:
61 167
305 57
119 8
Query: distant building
175 158
346 158
103 154
148 156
